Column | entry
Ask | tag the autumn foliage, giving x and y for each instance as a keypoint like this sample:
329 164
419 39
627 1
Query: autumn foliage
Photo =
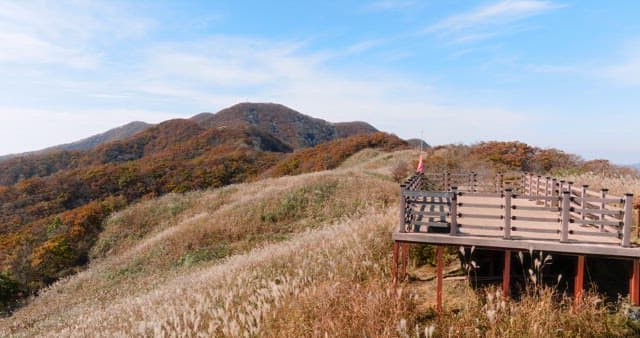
52 207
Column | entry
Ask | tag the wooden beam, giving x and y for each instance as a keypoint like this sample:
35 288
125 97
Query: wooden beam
579 280
404 259
634 283
506 273
394 266
439 263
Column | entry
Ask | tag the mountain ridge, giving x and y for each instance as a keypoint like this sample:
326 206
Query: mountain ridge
115 134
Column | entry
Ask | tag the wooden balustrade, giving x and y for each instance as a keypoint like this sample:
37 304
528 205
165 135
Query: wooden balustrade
575 208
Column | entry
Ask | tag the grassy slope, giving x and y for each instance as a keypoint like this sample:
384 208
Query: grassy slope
305 255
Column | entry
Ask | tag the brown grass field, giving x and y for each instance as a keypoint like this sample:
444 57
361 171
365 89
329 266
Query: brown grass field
297 256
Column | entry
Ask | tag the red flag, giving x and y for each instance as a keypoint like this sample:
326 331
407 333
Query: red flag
420 166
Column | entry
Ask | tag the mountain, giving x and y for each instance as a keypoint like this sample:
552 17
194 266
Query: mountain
115 134
53 205
416 142
292 127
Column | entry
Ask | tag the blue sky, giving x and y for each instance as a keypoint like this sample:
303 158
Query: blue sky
562 74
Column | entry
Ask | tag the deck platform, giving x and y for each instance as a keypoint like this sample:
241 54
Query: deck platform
529 213
525 235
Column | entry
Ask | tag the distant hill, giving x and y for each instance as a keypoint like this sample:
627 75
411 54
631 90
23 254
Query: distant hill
115 134
415 143
290 126
53 204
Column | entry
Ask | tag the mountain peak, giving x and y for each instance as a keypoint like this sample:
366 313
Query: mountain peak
292 127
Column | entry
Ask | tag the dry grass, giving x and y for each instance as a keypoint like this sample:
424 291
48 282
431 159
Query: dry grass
618 185
302 256
542 313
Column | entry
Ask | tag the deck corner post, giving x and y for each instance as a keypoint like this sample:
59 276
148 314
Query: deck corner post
506 274
566 204
453 230
507 213
627 220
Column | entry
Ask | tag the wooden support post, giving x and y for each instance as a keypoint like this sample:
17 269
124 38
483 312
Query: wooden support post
506 274
453 230
579 281
394 266
566 204
507 214
634 283
404 255
439 263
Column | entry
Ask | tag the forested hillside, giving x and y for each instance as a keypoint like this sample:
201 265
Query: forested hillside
52 206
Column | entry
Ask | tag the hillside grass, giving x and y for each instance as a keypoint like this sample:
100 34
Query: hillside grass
299 256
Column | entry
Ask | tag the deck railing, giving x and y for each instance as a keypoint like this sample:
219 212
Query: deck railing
431 203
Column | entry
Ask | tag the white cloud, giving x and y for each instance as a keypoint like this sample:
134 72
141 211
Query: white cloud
626 72
61 32
488 21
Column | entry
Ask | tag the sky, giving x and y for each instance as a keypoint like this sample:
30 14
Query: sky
562 74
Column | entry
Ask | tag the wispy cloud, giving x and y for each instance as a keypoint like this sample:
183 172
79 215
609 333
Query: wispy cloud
488 21
61 33
626 72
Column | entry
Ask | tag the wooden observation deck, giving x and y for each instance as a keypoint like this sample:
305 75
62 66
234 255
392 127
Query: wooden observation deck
524 213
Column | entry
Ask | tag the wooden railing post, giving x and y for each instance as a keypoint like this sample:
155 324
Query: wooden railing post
403 207
554 193
583 204
454 212
627 220
446 180
507 213
566 204
475 182
603 195
570 187
547 193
